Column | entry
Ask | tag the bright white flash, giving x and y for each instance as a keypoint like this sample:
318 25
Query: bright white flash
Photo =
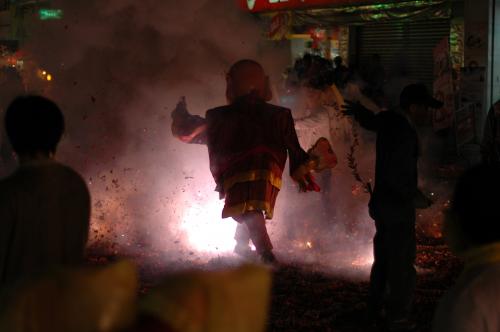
205 231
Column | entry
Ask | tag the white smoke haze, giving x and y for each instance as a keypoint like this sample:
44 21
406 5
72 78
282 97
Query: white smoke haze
119 69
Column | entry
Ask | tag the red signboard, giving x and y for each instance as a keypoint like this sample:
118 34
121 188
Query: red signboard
272 5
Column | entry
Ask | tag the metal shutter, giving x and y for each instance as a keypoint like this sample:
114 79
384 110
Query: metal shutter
412 41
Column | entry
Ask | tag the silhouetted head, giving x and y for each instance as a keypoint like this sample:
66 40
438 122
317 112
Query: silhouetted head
247 77
34 125
474 214
376 59
338 61
315 72
415 100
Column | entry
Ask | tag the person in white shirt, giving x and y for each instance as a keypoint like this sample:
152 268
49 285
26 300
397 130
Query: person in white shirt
311 118
314 116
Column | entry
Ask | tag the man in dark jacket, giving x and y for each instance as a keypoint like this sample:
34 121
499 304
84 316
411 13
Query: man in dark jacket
490 146
392 204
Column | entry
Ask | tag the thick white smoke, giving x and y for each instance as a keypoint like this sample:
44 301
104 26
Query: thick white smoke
119 68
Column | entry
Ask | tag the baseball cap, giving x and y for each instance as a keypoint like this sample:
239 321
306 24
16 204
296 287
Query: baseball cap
418 94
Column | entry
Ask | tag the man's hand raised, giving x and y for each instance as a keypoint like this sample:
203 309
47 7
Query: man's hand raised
186 127
181 109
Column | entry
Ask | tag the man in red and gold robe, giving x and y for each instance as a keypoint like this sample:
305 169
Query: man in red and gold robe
248 142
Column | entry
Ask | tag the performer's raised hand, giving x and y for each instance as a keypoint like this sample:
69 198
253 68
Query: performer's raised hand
181 109
186 127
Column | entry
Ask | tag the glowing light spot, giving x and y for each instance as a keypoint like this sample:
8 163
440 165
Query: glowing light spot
50 14
205 230
49 77
44 73
363 261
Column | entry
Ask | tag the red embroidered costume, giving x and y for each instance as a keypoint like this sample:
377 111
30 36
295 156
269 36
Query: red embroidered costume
248 142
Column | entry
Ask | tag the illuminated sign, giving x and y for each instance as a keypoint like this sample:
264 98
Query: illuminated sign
272 5
50 14
251 4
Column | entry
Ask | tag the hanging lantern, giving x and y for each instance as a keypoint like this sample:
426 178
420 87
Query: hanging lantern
318 36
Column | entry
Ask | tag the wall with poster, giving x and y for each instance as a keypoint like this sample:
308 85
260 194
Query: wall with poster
477 18
443 86
472 100
465 125
495 89
473 86
280 25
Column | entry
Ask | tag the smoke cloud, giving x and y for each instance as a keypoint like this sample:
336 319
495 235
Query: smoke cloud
119 68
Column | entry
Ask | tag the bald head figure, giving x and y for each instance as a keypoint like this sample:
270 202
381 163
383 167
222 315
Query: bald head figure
247 77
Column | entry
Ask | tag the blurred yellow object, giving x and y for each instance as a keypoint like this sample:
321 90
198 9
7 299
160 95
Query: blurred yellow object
49 77
225 301
82 300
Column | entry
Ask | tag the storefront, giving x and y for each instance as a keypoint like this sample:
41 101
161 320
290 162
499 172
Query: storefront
402 45
425 40
356 29
495 51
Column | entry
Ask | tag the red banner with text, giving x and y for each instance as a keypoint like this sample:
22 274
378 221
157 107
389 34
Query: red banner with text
273 5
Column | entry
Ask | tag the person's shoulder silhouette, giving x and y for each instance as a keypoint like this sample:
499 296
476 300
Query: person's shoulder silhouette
44 205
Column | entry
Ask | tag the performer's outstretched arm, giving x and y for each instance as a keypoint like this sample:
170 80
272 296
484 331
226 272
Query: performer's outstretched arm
366 118
296 154
299 159
187 127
